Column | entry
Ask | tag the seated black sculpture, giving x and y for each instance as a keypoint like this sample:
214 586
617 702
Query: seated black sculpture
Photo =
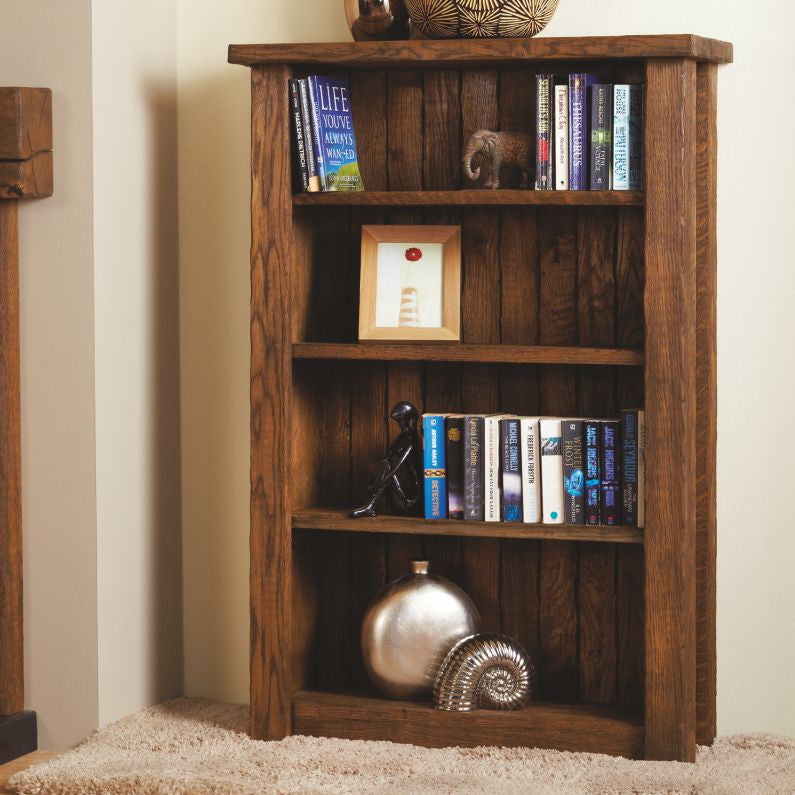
399 472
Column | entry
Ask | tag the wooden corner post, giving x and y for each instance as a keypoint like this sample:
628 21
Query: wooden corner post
670 310
25 172
271 386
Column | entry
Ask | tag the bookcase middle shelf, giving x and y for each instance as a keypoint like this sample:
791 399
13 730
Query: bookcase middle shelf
336 519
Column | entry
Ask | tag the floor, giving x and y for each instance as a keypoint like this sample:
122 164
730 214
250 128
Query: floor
8 770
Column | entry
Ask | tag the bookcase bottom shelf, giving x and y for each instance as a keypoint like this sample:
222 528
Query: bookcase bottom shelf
566 727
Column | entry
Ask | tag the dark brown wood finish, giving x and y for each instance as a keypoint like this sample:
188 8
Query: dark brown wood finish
706 400
25 143
271 386
670 308
425 54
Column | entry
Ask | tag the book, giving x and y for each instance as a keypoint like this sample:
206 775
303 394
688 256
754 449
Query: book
551 470
491 468
610 472
579 115
635 137
474 478
590 433
337 159
573 472
531 470
629 467
601 136
300 172
433 454
454 458
309 137
511 469
641 469
545 87
561 137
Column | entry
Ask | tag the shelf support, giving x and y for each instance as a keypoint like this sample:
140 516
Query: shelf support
670 310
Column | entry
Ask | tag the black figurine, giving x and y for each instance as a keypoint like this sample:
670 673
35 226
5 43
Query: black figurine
399 473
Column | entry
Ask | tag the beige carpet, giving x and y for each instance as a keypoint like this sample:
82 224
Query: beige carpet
198 747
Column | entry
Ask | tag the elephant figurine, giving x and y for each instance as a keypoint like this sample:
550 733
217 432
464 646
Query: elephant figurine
499 150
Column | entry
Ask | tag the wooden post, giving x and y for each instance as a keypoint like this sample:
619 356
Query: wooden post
271 386
670 310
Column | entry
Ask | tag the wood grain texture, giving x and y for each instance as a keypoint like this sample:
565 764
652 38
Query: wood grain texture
404 121
425 54
568 728
270 540
368 101
706 401
27 179
12 696
472 196
25 122
670 308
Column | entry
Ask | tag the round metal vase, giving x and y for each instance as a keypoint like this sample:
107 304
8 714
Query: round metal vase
409 629
378 20
489 671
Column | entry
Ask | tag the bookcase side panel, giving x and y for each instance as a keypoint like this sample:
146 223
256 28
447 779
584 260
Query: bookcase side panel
706 403
670 309
271 362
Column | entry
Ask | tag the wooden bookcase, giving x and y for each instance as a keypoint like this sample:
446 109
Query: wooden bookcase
574 303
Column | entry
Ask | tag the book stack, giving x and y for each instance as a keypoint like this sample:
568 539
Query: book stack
589 134
324 143
549 470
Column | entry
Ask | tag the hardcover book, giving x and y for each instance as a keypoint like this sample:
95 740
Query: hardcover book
454 456
338 162
579 143
573 473
621 137
551 470
601 136
629 467
309 136
491 468
562 137
545 88
511 470
474 478
531 470
641 469
433 451
610 468
299 146
591 442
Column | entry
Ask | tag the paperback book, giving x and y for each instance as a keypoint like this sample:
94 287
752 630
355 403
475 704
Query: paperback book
511 470
610 467
299 144
579 142
474 478
629 468
551 470
531 470
601 136
545 89
434 464
313 180
591 441
454 457
562 137
573 473
491 468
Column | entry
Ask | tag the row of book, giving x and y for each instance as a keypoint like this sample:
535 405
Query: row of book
324 143
589 135
550 470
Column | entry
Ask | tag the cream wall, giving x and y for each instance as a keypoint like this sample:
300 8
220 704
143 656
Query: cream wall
756 597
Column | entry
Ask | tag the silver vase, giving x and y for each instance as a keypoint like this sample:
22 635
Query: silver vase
378 20
409 629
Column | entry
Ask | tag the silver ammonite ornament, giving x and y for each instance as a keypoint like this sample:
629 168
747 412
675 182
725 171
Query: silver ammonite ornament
489 671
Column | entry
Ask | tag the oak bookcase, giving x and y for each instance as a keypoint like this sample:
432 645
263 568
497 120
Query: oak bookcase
573 303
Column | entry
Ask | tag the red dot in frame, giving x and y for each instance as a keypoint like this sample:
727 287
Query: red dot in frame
413 254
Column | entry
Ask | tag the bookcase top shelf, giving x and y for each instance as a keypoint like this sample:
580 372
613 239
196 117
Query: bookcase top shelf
424 54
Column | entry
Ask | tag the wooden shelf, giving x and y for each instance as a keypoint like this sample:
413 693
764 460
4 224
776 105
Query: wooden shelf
492 354
424 54
567 727
441 198
338 520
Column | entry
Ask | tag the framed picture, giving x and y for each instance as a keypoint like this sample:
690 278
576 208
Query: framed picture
410 284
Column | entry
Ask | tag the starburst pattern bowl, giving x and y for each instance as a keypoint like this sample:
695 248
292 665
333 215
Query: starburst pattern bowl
475 19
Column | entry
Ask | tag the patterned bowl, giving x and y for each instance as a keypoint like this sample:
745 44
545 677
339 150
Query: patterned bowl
475 19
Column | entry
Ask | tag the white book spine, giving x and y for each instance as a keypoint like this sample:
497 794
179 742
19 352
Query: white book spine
561 137
641 469
621 137
531 470
491 469
550 431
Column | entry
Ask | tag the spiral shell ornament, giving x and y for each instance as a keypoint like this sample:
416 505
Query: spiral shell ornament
484 671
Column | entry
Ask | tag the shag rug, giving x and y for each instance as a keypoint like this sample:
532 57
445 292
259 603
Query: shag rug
198 747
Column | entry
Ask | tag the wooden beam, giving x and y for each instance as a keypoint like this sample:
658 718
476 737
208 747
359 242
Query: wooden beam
670 309
26 179
25 143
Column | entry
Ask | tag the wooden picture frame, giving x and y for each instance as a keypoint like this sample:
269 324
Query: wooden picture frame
387 315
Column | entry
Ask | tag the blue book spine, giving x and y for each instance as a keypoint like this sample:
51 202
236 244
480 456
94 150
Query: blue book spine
434 465
573 473
314 115
591 438
629 468
610 472
579 140
511 470
338 161
621 137
635 137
